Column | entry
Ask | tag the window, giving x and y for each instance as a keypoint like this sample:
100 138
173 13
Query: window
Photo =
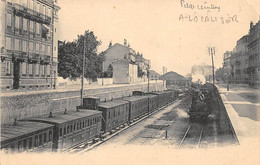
68 129
30 69
49 49
64 130
24 46
8 67
42 70
37 48
25 24
20 147
43 10
48 70
17 22
49 12
50 136
31 26
60 131
25 143
31 47
31 4
9 20
30 143
37 69
37 7
40 139
16 44
37 28
36 141
24 3
8 43
45 137
43 49
23 68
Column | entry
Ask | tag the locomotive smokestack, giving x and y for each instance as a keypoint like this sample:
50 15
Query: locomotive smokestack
15 122
50 115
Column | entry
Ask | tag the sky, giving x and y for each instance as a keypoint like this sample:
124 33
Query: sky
171 33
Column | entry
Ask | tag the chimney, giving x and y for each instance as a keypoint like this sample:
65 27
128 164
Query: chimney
251 25
15 122
110 44
125 42
128 45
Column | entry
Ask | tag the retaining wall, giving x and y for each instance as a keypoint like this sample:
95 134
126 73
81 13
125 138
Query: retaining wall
29 105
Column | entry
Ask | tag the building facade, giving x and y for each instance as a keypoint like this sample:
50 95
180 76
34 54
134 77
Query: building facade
239 61
253 69
153 75
226 65
29 51
124 72
117 52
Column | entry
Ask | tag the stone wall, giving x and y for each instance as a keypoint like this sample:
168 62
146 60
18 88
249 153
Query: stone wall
29 105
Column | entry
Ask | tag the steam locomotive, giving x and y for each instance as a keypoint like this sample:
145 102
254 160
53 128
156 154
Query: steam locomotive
200 104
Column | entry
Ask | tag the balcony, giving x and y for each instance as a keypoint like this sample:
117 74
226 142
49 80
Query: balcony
19 55
45 59
31 14
33 58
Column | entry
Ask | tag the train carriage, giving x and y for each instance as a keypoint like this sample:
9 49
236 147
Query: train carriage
164 97
26 136
138 106
114 113
72 127
153 102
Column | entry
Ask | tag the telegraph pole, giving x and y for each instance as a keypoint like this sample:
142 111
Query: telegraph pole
211 51
83 72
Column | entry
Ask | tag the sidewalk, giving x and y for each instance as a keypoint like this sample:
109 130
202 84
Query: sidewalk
66 89
243 107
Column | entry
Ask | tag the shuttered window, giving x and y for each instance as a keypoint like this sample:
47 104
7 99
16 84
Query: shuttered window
8 43
25 24
9 20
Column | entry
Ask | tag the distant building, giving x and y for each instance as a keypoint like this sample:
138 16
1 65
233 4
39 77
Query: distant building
28 44
239 61
118 52
253 68
154 75
227 65
173 78
124 72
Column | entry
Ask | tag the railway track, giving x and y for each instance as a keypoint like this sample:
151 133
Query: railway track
88 145
183 104
192 136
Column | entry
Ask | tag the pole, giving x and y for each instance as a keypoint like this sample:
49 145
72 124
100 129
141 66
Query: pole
148 75
82 79
212 52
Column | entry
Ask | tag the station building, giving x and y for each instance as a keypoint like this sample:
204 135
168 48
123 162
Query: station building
29 52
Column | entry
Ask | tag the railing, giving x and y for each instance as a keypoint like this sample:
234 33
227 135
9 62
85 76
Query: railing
33 58
45 59
29 13
19 55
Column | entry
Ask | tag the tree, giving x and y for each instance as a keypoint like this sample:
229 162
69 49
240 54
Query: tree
71 57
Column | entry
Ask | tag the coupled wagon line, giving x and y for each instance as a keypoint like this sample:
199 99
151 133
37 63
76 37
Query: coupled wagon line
94 120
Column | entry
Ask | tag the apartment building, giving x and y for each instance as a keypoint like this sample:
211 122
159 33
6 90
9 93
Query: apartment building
29 49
